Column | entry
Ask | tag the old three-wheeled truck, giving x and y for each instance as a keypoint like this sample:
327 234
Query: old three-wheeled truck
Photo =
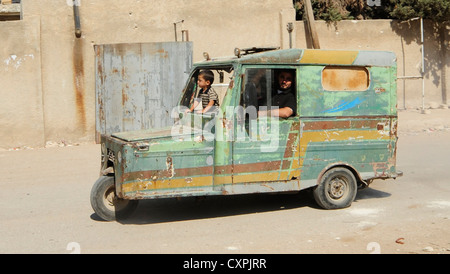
341 133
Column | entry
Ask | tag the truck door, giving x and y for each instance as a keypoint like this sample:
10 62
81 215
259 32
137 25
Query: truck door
265 148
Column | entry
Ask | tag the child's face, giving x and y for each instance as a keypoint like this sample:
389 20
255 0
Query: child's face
202 83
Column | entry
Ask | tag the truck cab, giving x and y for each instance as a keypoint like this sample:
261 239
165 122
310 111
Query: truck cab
340 135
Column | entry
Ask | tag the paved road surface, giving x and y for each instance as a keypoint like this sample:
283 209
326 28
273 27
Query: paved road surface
44 208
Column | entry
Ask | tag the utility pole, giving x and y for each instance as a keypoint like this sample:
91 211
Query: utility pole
311 24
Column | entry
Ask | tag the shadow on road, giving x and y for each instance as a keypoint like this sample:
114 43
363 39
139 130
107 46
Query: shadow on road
371 193
195 208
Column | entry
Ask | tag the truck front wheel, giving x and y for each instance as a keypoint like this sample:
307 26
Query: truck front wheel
337 189
105 202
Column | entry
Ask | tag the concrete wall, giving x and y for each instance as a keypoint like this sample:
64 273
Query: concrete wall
61 78
21 107
56 82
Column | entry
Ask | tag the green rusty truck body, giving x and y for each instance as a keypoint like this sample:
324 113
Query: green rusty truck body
342 134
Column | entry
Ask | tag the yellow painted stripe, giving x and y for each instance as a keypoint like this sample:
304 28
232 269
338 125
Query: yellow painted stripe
223 180
336 135
260 177
332 57
342 135
284 175
298 157
167 184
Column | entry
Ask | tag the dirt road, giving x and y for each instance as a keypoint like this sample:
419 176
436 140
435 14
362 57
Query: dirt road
44 208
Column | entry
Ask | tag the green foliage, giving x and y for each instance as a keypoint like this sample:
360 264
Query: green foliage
336 10
327 10
436 10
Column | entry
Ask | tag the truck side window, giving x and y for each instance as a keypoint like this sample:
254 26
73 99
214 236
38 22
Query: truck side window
189 92
266 89
223 79
345 78
255 92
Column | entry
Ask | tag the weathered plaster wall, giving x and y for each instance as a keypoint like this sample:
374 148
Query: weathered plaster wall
68 71
21 108
51 95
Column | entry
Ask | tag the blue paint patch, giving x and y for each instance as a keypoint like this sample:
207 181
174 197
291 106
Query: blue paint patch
345 106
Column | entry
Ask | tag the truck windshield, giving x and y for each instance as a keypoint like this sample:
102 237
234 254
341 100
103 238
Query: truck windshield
223 76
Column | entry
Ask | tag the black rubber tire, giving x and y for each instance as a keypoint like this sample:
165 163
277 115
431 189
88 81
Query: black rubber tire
337 189
105 202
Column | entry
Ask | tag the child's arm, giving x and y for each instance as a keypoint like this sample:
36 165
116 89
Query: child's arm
210 104
194 105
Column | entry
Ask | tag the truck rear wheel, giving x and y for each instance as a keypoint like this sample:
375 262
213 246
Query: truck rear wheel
337 189
105 202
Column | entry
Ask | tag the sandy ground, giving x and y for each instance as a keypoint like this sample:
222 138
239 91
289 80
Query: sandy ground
414 122
44 208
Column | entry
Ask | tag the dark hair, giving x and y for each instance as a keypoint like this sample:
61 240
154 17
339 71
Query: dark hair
207 75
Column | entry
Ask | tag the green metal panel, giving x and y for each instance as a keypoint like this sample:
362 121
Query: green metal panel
376 100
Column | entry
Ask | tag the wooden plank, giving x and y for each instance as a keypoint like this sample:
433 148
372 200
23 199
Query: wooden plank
311 24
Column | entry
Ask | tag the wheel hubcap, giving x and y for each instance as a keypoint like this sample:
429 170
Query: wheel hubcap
337 188
112 202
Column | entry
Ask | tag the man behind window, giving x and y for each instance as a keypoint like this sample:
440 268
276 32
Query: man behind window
284 98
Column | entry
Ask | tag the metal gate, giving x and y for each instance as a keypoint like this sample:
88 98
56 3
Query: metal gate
137 85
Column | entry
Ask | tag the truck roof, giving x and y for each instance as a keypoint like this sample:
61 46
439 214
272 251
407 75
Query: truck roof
310 56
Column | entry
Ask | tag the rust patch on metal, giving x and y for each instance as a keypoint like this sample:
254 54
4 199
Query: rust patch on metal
219 170
182 172
345 78
169 165
255 167
292 138
78 80
365 122
124 96
380 169
324 125
286 164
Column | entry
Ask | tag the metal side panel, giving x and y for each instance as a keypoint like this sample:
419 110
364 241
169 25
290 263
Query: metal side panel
137 85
